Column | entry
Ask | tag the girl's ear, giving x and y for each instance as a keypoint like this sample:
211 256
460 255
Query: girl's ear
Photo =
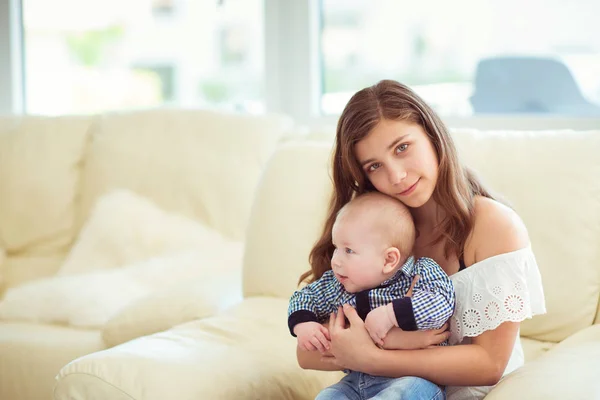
392 258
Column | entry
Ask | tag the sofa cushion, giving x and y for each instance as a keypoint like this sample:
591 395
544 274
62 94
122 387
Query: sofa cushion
40 159
287 218
551 179
202 164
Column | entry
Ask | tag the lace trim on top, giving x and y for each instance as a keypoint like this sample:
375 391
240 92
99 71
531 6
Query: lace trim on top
506 287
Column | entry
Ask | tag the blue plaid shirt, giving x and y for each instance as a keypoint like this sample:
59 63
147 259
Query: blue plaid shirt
430 306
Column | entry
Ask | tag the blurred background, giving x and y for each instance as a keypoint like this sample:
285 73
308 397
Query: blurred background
537 59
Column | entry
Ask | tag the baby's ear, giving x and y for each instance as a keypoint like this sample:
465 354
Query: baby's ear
392 258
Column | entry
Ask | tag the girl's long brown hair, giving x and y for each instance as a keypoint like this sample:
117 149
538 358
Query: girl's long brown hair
456 186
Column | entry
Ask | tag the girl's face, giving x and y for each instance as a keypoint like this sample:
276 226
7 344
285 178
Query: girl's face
400 161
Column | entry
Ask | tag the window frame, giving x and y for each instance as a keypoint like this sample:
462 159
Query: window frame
12 79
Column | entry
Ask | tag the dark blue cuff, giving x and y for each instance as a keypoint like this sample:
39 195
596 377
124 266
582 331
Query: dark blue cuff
297 317
405 316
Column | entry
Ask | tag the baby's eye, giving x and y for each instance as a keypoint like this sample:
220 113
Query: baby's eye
373 167
401 148
349 250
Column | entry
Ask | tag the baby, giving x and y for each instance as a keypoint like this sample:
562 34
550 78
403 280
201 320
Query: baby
372 269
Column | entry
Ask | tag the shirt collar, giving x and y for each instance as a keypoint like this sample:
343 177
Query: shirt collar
407 268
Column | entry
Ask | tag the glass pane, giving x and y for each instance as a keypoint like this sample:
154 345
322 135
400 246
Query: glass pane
85 56
533 57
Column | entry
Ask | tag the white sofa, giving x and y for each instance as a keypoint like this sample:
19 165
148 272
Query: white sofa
206 166
550 178
202 165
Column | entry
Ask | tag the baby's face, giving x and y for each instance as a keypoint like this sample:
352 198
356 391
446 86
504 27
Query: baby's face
359 254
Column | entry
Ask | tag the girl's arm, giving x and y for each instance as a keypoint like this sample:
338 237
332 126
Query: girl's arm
481 363
313 360
397 339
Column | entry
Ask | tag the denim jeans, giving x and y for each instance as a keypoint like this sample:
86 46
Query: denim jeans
359 386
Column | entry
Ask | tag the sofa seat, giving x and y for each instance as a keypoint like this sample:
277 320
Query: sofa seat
35 353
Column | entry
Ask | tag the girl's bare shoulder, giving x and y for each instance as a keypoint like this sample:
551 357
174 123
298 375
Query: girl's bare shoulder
497 229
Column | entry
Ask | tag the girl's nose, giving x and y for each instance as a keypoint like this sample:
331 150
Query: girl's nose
396 175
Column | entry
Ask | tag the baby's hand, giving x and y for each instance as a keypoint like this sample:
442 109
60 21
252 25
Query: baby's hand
312 336
379 322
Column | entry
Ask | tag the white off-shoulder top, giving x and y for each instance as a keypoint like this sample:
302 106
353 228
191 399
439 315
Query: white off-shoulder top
505 287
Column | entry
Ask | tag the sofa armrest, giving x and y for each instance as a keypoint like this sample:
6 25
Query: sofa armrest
245 351
568 371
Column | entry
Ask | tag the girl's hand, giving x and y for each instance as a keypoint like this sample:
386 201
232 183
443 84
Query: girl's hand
351 347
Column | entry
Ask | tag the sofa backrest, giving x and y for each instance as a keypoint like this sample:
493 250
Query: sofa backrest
40 159
550 178
201 164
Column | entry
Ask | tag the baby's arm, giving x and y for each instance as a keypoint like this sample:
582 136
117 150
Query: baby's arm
427 306
380 320
308 307
432 302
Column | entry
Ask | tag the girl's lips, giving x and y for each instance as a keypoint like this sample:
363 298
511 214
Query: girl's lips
410 189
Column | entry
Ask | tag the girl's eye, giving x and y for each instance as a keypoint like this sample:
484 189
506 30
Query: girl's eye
401 148
373 167
349 251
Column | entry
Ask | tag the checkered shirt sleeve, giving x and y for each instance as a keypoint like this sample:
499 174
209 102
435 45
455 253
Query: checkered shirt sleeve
432 303
316 301
433 295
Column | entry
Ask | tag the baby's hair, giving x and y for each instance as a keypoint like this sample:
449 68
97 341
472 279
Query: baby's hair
389 216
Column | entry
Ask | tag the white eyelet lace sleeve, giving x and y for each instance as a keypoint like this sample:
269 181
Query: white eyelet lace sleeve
506 287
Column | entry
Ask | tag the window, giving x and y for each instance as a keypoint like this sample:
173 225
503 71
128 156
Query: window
84 56
466 57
